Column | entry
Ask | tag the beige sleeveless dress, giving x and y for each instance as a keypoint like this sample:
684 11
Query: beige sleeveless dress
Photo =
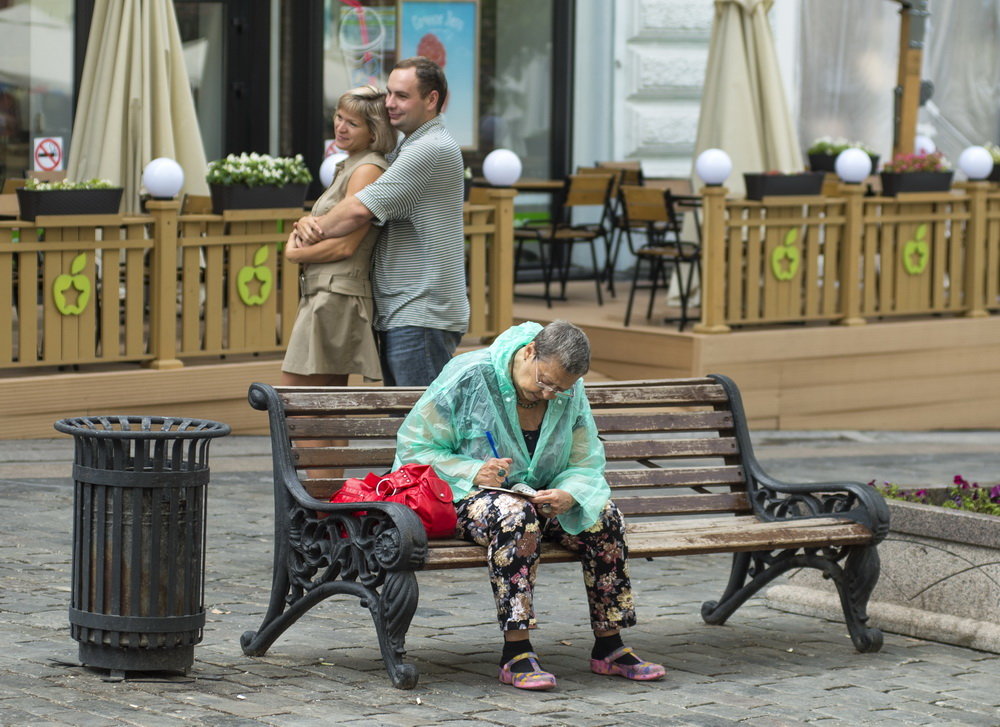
333 328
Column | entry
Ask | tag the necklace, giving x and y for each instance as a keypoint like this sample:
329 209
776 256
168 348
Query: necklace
522 404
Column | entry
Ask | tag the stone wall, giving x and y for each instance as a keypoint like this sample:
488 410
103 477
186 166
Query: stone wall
940 579
661 48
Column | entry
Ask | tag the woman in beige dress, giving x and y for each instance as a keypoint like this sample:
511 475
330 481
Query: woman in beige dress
332 337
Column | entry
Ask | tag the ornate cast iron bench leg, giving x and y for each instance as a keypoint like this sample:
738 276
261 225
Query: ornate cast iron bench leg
341 554
855 584
855 581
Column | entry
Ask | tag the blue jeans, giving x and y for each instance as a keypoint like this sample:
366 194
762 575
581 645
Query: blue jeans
413 355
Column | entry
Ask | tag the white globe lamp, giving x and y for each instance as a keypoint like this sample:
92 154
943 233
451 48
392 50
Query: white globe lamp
502 168
328 168
713 167
163 178
976 162
853 165
924 145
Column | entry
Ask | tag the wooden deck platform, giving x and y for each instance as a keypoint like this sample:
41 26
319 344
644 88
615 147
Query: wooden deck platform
938 373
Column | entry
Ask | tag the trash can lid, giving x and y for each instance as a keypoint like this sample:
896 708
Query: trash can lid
137 426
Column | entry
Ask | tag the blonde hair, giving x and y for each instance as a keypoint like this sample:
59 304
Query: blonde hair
369 103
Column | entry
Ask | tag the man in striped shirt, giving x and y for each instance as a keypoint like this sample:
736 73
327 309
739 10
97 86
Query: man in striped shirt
418 265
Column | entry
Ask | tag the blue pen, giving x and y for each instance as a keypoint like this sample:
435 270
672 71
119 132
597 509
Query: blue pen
493 446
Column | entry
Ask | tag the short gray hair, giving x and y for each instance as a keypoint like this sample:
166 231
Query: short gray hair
567 344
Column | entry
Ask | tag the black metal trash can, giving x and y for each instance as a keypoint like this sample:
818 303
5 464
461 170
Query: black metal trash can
140 492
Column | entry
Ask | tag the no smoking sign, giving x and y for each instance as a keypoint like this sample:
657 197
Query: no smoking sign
48 154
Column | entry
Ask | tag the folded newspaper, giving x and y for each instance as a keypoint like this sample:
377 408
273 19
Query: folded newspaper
517 489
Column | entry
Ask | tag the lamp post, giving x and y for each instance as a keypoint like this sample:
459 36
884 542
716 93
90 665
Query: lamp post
976 163
923 144
853 165
163 178
713 166
502 168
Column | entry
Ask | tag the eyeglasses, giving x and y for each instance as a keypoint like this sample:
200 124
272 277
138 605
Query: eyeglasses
548 388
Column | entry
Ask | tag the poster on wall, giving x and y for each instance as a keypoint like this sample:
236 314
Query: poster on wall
366 39
447 32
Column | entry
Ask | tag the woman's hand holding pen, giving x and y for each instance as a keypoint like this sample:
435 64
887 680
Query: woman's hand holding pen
494 472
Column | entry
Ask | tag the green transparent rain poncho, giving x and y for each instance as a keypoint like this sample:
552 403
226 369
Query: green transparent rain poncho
473 395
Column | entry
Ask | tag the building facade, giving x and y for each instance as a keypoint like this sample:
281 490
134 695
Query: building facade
563 83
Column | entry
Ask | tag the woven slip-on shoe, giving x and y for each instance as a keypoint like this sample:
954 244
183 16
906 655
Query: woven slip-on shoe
644 671
535 679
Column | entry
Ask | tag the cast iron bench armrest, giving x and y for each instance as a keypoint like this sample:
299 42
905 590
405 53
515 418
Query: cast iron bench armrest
404 538
849 500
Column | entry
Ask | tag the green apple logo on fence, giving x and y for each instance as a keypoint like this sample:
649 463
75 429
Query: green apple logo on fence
261 272
77 281
785 257
916 252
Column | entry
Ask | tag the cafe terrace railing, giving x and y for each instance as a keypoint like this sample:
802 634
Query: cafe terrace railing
166 288
849 258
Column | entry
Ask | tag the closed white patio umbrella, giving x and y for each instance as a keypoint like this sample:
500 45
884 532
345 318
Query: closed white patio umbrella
744 110
135 99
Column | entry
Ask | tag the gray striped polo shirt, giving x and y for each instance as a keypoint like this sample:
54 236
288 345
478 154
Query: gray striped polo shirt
418 266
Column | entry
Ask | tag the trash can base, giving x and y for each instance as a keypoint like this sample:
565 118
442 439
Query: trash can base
117 659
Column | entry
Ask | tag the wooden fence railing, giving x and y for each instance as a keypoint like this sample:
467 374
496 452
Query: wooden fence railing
164 288
849 258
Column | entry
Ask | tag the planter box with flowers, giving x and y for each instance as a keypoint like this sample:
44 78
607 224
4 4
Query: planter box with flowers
916 173
940 577
769 184
824 150
257 181
91 197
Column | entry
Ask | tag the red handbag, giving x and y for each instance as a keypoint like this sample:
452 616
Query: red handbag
415 485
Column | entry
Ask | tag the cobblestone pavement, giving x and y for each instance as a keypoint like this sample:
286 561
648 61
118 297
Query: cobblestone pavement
763 668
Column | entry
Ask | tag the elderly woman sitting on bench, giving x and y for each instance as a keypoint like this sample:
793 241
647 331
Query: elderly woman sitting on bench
517 412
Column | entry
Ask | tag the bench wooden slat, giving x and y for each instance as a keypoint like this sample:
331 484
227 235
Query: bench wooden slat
372 457
684 504
666 421
690 538
718 524
634 449
656 395
773 536
359 427
675 476
631 449
352 400
644 478
350 427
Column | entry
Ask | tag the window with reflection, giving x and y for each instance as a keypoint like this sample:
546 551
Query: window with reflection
36 78
515 70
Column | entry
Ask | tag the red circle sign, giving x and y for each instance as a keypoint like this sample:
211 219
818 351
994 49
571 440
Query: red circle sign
48 155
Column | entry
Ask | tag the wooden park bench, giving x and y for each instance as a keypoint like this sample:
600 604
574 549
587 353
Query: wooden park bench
680 465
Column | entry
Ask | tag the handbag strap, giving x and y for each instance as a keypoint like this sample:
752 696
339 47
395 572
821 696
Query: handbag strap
378 488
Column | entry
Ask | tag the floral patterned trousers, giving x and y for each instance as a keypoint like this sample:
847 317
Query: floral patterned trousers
512 532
